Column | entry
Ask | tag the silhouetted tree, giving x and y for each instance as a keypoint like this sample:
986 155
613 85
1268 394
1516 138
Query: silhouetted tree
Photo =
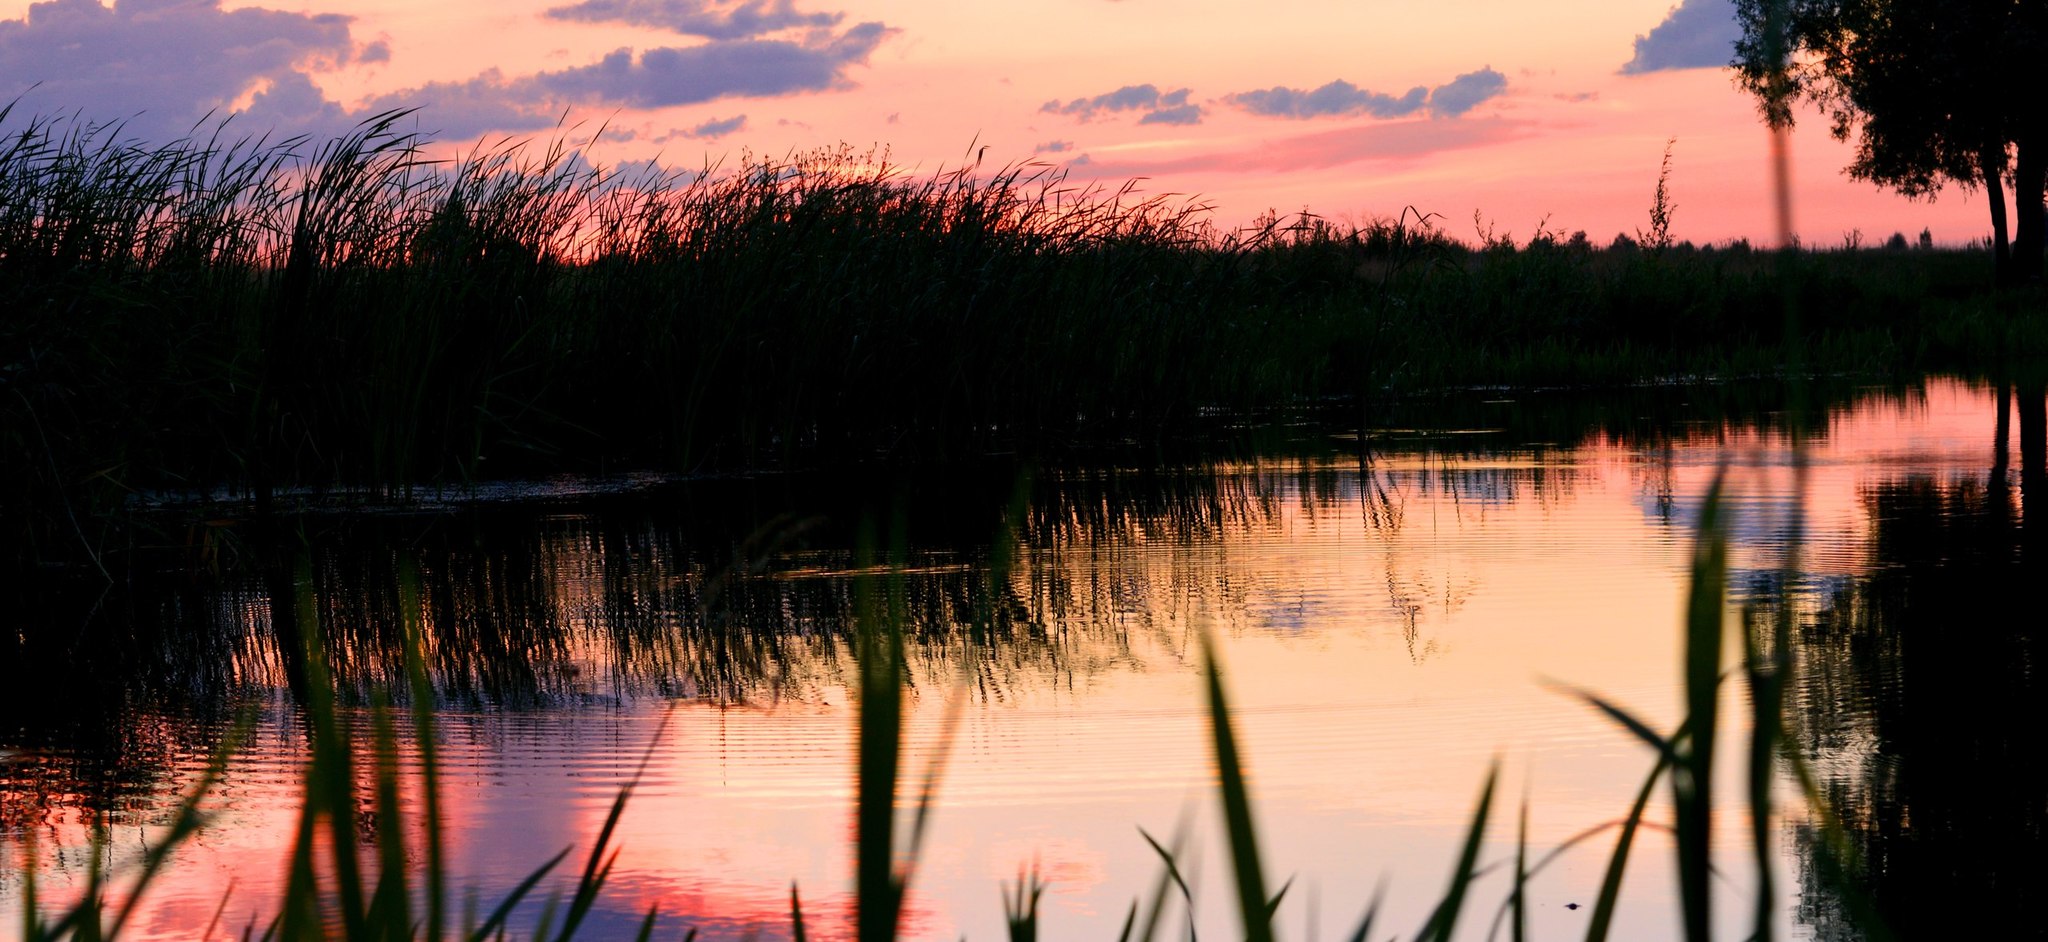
1933 91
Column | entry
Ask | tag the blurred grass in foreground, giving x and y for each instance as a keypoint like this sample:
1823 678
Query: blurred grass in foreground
350 882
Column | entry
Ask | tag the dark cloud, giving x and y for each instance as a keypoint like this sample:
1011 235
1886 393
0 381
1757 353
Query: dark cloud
1159 108
1696 34
687 75
1337 98
717 127
1466 92
1146 97
649 79
1053 147
1179 114
1341 98
460 110
163 65
707 18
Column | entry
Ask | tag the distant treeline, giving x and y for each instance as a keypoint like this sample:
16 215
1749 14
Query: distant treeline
255 315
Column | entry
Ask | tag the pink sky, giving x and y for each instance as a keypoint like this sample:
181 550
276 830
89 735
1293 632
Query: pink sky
1522 111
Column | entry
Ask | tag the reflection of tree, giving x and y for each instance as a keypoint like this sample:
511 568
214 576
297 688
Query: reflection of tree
1924 693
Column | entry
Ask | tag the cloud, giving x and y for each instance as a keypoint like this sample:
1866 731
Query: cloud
1053 147
711 19
691 74
649 79
1341 98
460 110
1466 92
717 127
1179 114
165 64
1696 34
1337 98
1167 108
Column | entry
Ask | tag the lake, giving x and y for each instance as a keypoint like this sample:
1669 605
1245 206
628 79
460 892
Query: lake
1397 604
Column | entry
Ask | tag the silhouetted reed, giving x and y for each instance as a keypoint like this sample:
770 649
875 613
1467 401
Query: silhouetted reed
247 316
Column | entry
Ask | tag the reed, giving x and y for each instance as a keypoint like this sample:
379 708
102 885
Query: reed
251 317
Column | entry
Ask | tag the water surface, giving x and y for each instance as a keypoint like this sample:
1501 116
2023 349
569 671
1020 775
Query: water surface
1396 607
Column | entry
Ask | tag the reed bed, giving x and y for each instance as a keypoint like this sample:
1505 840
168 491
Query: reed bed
246 317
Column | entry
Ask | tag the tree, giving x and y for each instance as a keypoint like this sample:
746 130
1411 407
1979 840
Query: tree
1934 92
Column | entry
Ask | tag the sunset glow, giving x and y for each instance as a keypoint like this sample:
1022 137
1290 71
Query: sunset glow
1552 115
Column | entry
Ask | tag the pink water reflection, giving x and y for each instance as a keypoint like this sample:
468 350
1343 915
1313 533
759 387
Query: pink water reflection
1385 640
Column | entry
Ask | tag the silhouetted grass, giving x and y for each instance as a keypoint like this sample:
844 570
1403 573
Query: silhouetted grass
235 316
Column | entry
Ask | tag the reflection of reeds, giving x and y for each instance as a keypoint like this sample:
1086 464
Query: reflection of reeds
370 892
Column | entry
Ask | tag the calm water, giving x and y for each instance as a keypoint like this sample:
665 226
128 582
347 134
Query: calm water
1392 610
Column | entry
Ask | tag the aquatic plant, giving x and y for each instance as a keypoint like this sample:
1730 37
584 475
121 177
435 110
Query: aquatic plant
245 317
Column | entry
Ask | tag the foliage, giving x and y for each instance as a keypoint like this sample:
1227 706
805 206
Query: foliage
248 319
1933 91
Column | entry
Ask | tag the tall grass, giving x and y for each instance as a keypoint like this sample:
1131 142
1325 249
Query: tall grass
249 316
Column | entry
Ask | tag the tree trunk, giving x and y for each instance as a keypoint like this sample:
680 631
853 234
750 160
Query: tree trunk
2001 448
2028 179
1992 165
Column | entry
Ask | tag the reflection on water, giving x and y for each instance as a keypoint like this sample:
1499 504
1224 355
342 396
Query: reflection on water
1925 697
1389 602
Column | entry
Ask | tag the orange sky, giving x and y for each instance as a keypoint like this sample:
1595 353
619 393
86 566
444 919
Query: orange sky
1546 126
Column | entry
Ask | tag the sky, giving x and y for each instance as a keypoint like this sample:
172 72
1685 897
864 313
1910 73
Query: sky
1503 116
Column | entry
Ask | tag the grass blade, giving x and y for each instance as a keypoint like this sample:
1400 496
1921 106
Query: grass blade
390 912
1610 884
421 687
879 647
1520 925
497 918
1372 914
1692 778
1237 810
1169 876
598 867
1445 919
1020 907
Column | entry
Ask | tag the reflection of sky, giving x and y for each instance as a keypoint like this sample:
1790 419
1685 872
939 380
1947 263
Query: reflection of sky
1376 669
1534 114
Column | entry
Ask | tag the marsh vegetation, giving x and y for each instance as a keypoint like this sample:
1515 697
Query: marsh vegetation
247 317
